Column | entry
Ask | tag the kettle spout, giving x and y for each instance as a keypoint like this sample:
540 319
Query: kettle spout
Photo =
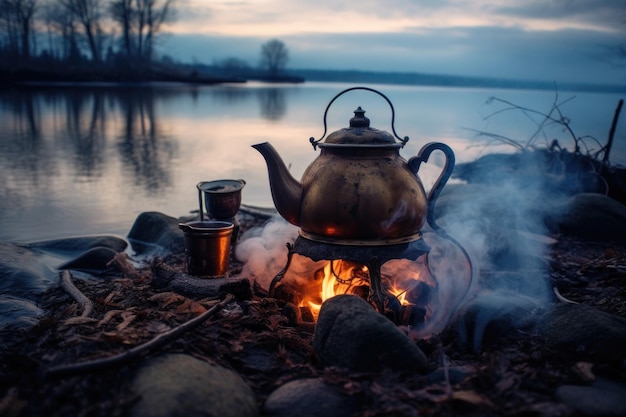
286 190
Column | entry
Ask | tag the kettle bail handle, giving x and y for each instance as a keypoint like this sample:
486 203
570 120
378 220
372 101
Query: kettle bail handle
404 140
434 192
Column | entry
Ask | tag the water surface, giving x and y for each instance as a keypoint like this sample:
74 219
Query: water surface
82 161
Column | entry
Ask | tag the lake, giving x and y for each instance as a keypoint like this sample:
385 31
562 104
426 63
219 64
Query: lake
88 160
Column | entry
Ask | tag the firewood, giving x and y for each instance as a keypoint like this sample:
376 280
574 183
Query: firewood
167 277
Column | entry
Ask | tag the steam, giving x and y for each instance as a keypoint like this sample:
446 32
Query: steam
263 250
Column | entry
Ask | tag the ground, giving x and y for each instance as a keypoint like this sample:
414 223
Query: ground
513 374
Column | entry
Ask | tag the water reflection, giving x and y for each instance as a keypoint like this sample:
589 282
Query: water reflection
84 128
89 160
144 148
273 103
77 124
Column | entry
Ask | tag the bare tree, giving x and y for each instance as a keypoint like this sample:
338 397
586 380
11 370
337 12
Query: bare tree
274 56
17 22
89 15
140 22
61 27
122 13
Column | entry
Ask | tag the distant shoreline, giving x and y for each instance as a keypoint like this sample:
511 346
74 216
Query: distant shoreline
443 80
201 76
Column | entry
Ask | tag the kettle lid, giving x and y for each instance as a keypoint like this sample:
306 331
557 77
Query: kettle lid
360 133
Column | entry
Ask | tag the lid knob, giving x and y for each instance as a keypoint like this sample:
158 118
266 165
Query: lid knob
359 119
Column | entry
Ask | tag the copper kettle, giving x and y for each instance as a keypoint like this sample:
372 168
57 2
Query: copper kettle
359 190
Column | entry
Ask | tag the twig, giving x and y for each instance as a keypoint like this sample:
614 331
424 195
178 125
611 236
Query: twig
128 356
561 298
68 285
553 116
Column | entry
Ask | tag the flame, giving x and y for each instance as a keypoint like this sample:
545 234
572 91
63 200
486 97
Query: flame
405 280
340 277
400 294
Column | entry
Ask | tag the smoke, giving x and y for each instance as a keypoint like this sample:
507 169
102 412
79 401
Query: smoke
501 226
497 227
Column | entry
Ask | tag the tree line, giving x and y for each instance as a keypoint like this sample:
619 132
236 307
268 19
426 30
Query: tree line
82 31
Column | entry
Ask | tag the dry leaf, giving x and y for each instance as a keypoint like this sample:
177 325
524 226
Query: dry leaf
584 370
471 397
167 298
79 320
108 316
127 317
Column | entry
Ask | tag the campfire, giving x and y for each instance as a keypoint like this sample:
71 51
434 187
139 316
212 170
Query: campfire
399 289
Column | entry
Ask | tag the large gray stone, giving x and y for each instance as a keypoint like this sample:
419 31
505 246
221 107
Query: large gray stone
156 233
18 313
351 334
75 246
309 398
601 398
177 385
93 260
589 216
584 331
22 274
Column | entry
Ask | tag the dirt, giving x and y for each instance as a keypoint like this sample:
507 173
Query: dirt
513 374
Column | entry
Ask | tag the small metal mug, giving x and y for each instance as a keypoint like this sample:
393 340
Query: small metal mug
207 246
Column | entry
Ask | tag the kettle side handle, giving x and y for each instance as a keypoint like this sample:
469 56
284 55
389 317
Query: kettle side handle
414 164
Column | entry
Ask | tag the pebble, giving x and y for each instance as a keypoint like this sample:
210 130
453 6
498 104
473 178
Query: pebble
601 398
309 397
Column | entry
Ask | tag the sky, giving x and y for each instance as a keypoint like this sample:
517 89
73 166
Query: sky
548 40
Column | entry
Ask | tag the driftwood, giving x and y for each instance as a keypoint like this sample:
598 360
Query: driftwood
87 306
126 357
167 277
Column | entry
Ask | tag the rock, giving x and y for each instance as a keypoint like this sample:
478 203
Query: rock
94 260
589 216
584 331
351 334
491 314
178 385
496 222
18 313
554 172
22 274
157 234
309 398
78 245
601 398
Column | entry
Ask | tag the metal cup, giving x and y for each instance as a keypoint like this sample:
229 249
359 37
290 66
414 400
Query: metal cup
207 245
222 198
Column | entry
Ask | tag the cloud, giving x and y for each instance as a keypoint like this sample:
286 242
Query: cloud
560 56
555 40
599 14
